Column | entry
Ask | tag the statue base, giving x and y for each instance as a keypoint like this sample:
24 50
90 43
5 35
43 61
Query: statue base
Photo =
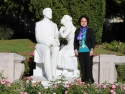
46 83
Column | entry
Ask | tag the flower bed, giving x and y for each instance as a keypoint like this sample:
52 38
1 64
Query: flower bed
58 87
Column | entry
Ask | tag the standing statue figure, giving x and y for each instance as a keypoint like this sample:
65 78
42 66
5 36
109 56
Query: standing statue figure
67 59
47 47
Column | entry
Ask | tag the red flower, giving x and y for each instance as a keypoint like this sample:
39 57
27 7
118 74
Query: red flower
32 54
25 53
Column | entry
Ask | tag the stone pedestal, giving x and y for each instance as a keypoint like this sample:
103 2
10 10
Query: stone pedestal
107 69
96 71
40 73
96 68
104 67
11 66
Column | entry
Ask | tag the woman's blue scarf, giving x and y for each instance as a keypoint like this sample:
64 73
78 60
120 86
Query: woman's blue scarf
82 30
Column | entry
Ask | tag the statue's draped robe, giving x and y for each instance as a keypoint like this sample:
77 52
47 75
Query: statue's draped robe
67 58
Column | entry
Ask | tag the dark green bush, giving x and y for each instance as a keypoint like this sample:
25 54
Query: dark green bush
5 33
115 46
121 73
94 9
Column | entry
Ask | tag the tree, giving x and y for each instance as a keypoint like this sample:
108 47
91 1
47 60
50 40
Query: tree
94 9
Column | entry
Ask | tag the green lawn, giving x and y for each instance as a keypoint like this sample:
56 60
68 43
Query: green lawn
99 50
25 45
17 45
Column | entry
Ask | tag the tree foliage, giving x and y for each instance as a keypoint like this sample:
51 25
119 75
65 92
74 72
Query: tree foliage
94 9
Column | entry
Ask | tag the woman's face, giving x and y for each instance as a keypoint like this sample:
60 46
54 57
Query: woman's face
83 22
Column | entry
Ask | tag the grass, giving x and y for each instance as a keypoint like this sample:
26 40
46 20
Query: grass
99 50
25 45
17 45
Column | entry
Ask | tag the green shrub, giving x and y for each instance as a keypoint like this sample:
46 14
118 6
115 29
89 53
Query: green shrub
115 46
33 88
58 86
6 87
28 63
121 73
5 33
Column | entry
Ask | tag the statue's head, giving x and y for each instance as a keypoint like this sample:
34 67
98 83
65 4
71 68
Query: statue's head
66 19
47 12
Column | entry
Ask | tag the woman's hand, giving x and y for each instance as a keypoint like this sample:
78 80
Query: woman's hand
76 52
91 53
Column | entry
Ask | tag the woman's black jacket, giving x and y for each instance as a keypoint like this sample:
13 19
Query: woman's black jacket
90 38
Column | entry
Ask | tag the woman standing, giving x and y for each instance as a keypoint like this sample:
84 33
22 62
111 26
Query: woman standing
84 43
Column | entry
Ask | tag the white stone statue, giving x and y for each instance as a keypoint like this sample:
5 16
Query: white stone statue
66 58
47 46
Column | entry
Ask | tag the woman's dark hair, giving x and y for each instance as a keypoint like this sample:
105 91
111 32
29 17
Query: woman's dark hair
83 16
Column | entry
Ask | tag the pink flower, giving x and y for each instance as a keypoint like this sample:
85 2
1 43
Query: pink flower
32 54
25 53
124 88
55 86
104 86
6 80
120 43
66 92
88 84
69 83
21 92
67 86
3 82
113 86
76 84
81 82
25 93
39 93
97 85
112 91
29 78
